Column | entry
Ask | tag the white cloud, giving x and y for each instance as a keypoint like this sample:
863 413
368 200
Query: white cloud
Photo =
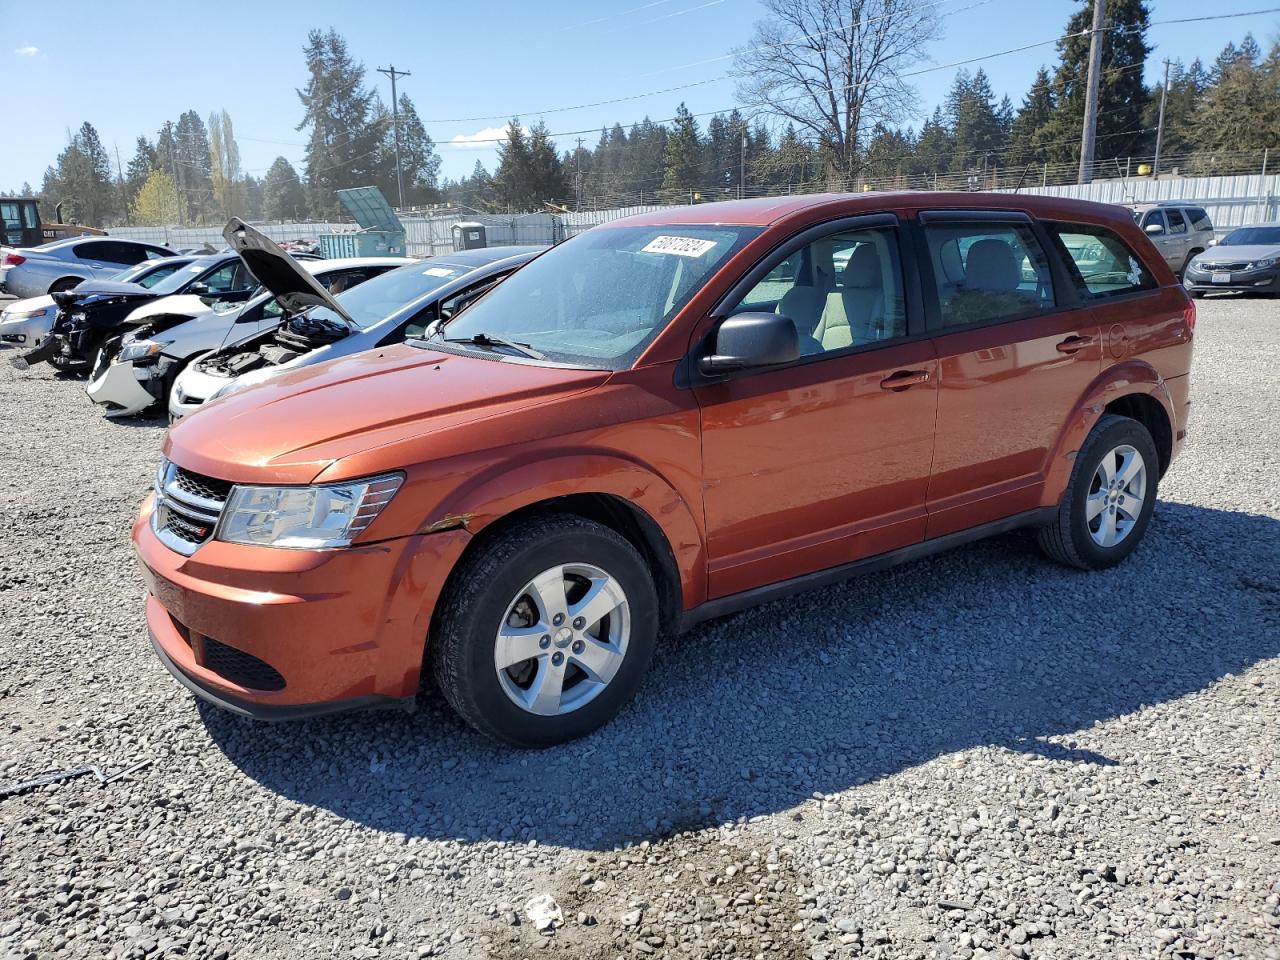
27 51
485 139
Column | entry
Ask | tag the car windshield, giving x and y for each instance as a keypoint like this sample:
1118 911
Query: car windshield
1252 236
382 296
599 299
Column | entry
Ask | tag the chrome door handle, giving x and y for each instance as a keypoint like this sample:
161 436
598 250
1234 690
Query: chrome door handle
903 379
1074 344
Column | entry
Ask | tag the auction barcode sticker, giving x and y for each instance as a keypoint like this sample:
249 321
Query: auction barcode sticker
680 246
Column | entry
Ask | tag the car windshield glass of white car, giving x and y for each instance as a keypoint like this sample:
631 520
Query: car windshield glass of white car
598 299
377 299
1252 236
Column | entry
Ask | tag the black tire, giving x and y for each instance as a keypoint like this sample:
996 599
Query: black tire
66 283
1196 294
479 595
1068 539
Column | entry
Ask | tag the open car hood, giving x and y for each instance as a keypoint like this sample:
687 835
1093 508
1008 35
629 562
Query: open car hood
276 270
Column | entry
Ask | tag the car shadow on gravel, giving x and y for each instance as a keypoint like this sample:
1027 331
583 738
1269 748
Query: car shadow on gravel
751 715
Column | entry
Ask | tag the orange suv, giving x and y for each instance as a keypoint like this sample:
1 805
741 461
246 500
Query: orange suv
667 418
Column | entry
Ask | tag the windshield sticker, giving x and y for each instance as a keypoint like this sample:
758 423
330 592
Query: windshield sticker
438 272
680 246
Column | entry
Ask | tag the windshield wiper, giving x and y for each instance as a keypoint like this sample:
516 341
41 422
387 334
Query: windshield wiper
483 339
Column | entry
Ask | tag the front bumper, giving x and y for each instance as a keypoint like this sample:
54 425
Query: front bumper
26 332
1241 281
340 628
121 387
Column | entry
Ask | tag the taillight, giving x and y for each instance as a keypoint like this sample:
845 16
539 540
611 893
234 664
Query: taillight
1189 315
12 260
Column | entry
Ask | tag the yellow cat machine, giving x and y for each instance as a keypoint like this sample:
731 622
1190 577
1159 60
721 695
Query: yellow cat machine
21 226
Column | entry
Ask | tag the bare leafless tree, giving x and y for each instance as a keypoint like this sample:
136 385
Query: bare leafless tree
834 69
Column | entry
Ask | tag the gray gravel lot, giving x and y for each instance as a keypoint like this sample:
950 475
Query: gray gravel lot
976 755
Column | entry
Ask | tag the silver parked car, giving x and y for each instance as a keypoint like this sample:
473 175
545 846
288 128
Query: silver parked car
1179 230
34 271
136 369
316 326
27 322
1246 260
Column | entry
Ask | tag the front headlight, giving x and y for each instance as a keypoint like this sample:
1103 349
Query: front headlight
329 515
14 315
1262 264
140 350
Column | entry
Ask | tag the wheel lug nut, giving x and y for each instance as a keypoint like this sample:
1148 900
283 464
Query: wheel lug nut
578 646
579 623
558 619
544 641
557 658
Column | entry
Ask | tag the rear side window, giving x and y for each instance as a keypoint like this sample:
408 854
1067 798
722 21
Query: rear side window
986 272
1199 219
1104 264
1176 223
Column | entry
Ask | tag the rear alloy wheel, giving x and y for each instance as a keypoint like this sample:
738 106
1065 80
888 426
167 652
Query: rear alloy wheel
546 632
1108 502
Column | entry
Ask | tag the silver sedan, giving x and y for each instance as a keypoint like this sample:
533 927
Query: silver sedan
35 271
26 322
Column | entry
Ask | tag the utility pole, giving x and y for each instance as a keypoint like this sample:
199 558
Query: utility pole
742 162
124 196
1089 135
1164 96
173 168
577 176
394 74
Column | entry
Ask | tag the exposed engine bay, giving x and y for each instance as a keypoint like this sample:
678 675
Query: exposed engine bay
288 341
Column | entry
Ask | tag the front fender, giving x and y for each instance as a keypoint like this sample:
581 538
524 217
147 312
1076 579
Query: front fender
506 487
1119 380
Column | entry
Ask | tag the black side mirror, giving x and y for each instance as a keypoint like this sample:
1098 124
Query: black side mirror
748 340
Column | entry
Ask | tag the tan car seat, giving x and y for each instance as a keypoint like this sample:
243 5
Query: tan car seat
854 313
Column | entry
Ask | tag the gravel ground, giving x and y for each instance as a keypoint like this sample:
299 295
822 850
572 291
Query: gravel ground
975 755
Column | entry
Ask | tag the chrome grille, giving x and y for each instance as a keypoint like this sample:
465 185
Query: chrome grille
1234 267
188 506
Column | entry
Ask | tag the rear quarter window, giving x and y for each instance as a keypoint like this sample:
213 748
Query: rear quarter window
1103 264
1199 219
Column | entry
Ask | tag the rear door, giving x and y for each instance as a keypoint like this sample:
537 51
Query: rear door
1016 350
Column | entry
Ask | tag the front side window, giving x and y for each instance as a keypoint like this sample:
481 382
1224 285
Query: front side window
1153 218
599 299
223 280
841 291
986 272
1104 263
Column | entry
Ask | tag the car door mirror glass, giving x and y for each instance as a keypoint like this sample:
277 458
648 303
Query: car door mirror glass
749 340
199 289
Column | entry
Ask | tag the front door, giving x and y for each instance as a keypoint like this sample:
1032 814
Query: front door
826 460
1016 351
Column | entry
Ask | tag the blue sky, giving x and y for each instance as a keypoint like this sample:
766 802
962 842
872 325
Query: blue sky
129 70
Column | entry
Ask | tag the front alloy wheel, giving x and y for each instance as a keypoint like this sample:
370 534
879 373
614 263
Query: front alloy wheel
563 639
545 630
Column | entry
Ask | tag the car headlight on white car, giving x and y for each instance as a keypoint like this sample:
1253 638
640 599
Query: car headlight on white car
324 515
14 315
141 350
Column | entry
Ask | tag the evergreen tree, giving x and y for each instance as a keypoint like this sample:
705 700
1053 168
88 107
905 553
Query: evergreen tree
192 166
1187 86
934 146
1026 131
81 180
683 160
1241 110
547 181
282 195
1122 92
140 167
420 162
512 179
344 144
890 155
977 132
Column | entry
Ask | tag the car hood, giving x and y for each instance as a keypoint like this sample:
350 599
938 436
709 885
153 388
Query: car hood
109 289
1238 252
183 304
294 426
294 287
